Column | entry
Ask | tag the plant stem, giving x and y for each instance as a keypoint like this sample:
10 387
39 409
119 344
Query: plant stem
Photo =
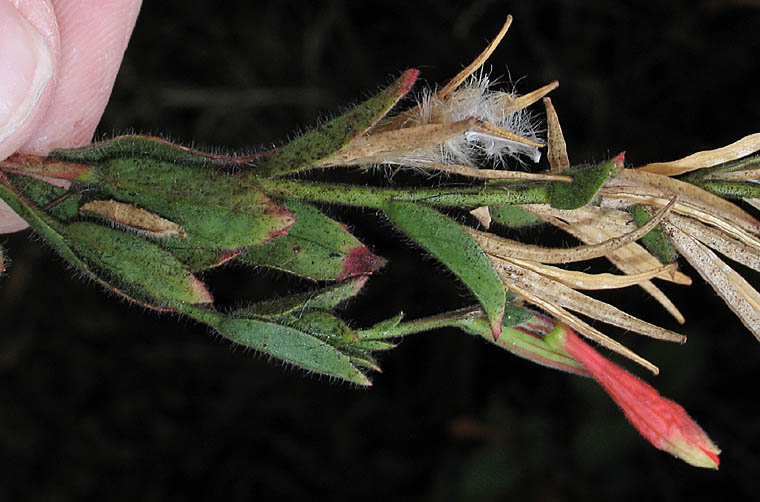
379 197
421 325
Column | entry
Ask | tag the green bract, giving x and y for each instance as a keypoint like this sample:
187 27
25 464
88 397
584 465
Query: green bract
323 141
292 345
444 238
655 241
139 267
217 211
525 339
513 216
587 180
316 247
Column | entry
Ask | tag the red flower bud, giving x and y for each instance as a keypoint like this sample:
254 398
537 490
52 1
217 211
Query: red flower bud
661 421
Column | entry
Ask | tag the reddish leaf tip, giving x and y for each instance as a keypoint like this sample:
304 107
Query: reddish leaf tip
619 160
407 80
200 293
288 219
496 326
148 306
360 261
360 282
229 254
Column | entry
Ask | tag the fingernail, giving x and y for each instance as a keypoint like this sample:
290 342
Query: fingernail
26 67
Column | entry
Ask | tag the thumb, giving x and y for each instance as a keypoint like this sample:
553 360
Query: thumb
26 70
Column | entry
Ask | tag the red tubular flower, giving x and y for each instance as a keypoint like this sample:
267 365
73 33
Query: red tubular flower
661 421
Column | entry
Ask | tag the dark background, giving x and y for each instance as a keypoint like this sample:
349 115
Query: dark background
102 398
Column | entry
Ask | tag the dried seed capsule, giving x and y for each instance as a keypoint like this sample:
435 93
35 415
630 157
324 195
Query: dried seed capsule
132 218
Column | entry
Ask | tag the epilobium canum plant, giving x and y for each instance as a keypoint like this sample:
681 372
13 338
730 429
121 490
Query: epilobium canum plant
147 219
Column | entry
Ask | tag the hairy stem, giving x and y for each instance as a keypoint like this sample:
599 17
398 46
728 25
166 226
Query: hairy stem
377 197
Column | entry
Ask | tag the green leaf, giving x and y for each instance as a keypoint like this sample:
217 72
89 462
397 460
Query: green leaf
325 326
374 345
322 299
135 265
292 345
134 145
443 238
365 361
383 329
744 164
655 241
316 247
197 259
323 141
42 194
731 189
285 342
333 330
587 180
489 194
48 228
513 216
